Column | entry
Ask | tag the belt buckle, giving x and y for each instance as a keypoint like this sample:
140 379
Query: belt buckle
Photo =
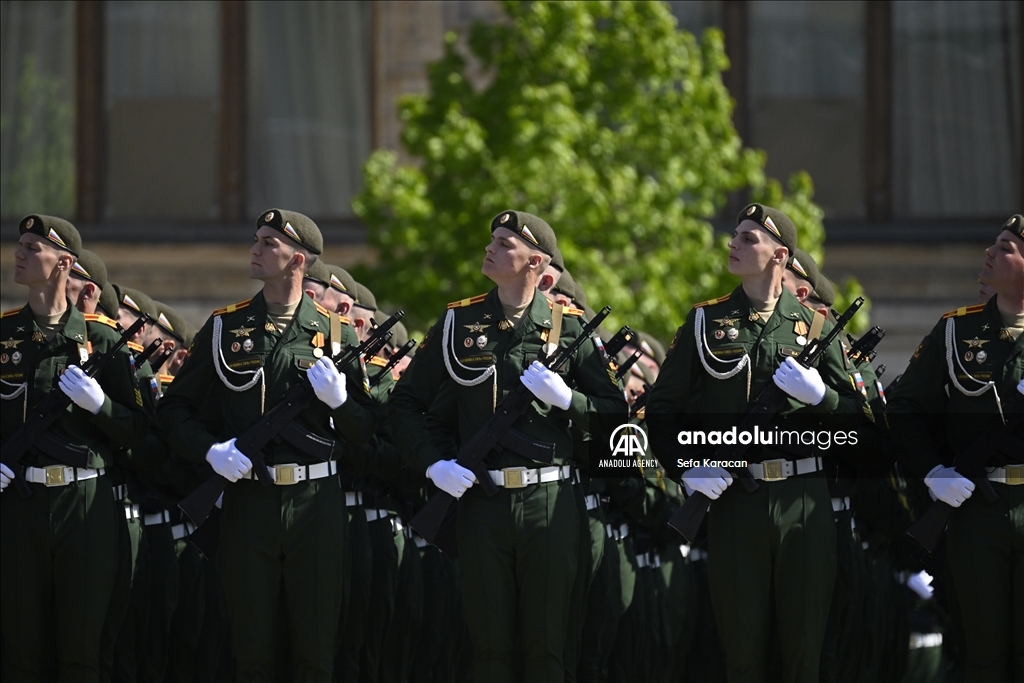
773 470
1015 475
55 475
285 474
514 477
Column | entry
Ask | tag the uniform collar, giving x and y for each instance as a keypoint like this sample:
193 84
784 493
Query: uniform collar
73 330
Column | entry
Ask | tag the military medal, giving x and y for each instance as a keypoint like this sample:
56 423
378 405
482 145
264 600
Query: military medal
318 352
318 344
16 357
719 334
732 333
801 340
247 345
801 329
235 346
969 356
481 341
468 342
981 356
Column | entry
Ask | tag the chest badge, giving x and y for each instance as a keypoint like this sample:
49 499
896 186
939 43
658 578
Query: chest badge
16 357
732 333
235 346
481 341
11 343
242 331
976 343
476 328
981 356
247 345
969 356
468 342
720 334
4 358
727 321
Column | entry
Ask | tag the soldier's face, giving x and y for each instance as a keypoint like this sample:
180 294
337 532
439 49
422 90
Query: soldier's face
797 286
1003 270
507 256
75 286
751 250
270 256
36 260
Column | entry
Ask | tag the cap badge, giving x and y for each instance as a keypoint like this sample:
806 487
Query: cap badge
336 283
290 231
798 267
54 237
770 224
529 235
77 267
751 209
130 303
503 219
269 217
165 322
29 223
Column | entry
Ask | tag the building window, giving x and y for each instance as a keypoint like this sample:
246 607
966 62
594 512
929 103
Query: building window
309 106
37 108
956 109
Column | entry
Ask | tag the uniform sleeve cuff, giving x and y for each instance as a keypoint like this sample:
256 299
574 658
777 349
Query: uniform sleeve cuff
828 404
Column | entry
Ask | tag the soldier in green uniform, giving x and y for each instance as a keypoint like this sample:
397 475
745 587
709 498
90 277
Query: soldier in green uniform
965 373
59 546
771 553
518 548
282 547
86 282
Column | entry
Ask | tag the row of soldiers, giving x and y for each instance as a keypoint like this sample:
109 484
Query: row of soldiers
552 568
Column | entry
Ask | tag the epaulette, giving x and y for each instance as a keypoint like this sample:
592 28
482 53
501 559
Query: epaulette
467 302
165 379
137 348
378 361
569 310
712 302
964 310
13 311
102 319
344 320
232 308
321 310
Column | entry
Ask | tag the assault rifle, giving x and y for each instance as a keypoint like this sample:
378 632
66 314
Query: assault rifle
34 433
1002 437
629 362
862 350
392 362
431 517
278 424
687 519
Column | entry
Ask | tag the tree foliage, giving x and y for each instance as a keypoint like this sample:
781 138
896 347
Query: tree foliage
602 117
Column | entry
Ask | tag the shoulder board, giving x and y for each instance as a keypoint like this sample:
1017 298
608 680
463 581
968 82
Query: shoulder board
321 310
137 348
378 361
964 310
712 302
232 308
568 310
102 319
468 302
13 311
165 379
344 320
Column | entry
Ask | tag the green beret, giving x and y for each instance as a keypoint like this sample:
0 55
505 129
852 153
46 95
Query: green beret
57 230
803 266
400 336
318 272
300 229
109 299
824 291
556 260
565 285
169 320
652 347
364 297
1015 224
89 266
774 221
531 228
580 297
342 281
137 302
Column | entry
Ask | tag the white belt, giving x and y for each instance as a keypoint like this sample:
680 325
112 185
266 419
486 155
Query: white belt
617 532
59 475
593 501
1011 474
642 561
920 640
120 492
290 473
840 504
419 541
162 517
180 531
521 477
656 561
353 498
131 512
373 515
776 470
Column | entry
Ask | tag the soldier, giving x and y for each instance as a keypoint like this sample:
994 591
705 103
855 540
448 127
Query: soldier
518 548
282 547
59 546
965 373
771 553
86 282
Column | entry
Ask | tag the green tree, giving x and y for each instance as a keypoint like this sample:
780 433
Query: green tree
602 117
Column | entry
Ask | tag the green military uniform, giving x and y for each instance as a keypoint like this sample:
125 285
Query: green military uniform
59 546
518 548
282 547
965 372
778 543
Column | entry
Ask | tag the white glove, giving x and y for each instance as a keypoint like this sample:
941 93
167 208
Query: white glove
450 477
948 485
6 476
921 583
711 481
84 391
328 383
547 386
228 461
1020 386
803 384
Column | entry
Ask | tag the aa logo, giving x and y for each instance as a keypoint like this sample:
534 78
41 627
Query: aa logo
629 441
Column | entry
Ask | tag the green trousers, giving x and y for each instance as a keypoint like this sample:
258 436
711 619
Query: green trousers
580 587
163 600
840 652
772 564
119 613
518 554
603 602
985 552
58 559
387 546
406 624
357 602
187 621
281 553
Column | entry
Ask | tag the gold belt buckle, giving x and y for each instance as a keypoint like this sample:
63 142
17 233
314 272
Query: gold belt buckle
55 475
773 470
1015 475
514 477
285 474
